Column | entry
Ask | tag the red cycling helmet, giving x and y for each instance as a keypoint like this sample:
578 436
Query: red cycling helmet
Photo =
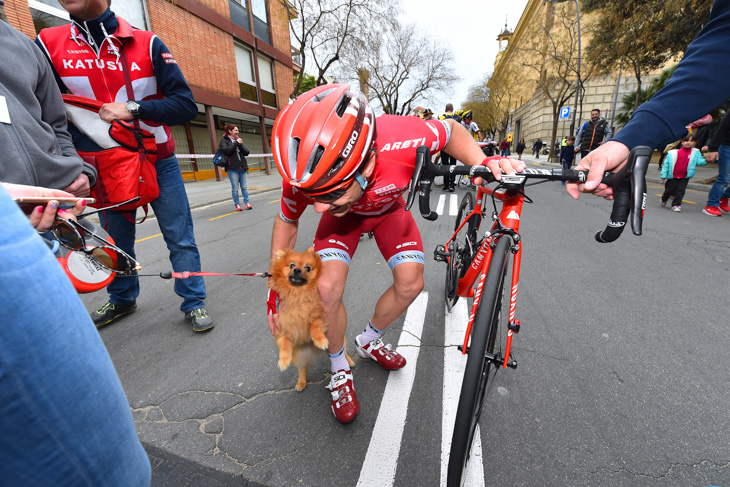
321 139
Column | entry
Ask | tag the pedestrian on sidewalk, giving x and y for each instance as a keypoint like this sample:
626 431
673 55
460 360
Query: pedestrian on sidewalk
232 147
679 167
537 147
719 150
520 148
567 154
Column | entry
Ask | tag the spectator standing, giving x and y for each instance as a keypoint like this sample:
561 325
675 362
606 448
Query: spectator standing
536 147
504 147
719 150
36 116
98 40
232 147
520 148
567 154
592 133
446 159
679 168
428 114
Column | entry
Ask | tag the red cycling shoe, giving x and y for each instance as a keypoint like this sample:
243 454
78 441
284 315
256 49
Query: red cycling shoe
383 354
344 402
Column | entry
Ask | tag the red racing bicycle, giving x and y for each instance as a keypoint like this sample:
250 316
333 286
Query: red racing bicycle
484 260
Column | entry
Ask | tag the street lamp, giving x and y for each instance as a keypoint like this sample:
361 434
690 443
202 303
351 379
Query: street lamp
578 81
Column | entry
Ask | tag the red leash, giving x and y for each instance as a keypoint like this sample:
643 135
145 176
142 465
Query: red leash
186 274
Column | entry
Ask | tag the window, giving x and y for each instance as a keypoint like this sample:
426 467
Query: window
246 79
49 13
266 78
260 20
239 14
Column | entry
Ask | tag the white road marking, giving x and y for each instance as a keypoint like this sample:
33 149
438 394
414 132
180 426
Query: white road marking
381 459
454 364
453 205
440 204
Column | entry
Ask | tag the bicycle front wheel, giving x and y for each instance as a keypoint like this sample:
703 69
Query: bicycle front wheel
480 371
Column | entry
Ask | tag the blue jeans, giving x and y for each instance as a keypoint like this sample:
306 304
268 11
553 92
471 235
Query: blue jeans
238 177
719 189
505 152
64 418
176 224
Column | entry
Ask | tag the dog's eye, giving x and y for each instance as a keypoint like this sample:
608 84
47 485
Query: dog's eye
307 268
292 265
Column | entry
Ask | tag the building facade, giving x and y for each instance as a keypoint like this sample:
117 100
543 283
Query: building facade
541 27
235 54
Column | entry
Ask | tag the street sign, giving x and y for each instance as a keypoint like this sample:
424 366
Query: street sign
509 137
564 113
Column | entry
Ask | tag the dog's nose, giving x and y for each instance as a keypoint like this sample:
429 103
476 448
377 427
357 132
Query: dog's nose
297 272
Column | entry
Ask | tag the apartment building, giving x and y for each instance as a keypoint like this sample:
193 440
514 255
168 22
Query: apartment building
235 54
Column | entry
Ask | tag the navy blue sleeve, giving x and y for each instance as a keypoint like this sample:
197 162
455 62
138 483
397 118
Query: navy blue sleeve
178 106
700 84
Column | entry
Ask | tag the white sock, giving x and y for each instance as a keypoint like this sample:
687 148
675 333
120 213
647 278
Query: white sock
371 333
338 361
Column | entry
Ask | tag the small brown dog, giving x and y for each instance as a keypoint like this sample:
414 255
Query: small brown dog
301 316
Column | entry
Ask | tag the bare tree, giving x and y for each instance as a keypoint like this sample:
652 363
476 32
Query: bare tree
323 30
403 67
500 100
553 57
477 100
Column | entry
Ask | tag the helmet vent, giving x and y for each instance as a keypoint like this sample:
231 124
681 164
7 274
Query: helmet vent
316 157
336 166
342 106
320 96
293 153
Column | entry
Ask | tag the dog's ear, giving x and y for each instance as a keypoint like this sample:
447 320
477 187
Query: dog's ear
310 250
280 253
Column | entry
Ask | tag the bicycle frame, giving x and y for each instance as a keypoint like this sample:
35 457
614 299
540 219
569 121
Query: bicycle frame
507 219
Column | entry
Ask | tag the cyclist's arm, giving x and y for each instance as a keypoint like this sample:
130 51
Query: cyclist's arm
464 148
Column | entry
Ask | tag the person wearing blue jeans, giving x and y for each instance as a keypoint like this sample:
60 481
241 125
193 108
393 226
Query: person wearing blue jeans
233 147
239 177
64 417
176 224
720 191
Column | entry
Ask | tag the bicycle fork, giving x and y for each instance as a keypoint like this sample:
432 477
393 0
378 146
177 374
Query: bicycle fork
513 324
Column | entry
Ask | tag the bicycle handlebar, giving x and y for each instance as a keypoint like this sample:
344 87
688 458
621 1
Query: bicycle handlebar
629 187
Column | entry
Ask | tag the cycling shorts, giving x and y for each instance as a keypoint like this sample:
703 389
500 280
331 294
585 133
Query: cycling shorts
395 232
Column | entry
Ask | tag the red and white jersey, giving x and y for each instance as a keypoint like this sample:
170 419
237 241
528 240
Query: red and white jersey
396 143
101 78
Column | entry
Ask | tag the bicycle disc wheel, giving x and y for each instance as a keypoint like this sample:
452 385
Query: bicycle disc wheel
479 373
462 249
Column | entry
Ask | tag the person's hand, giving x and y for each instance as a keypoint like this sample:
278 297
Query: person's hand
663 180
712 156
576 150
608 157
239 140
42 218
704 148
272 311
80 187
499 164
114 111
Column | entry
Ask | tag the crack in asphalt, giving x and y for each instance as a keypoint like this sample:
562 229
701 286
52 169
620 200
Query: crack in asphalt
667 472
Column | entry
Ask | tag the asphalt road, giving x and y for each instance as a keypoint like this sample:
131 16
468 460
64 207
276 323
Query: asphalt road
622 376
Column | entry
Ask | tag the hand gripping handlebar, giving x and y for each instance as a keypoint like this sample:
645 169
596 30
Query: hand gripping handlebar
629 187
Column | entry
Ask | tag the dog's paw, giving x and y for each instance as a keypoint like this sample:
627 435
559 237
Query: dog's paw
284 363
321 342
300 386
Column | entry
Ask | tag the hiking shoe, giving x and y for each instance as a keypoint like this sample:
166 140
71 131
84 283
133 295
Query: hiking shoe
712 211
110 312
676 208
383 354
663 203
249 207
238 208
724 205
344 401
201 320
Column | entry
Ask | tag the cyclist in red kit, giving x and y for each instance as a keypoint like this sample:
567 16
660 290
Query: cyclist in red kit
334 154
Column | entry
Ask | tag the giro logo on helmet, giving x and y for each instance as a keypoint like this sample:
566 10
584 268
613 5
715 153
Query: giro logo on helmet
350 144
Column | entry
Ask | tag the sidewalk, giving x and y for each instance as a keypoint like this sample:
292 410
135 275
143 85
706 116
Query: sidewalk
702 173
210 191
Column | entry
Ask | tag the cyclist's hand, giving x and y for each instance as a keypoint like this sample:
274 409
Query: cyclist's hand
611 156
498 165
272 311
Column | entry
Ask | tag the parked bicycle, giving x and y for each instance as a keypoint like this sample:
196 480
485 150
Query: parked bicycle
484 259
